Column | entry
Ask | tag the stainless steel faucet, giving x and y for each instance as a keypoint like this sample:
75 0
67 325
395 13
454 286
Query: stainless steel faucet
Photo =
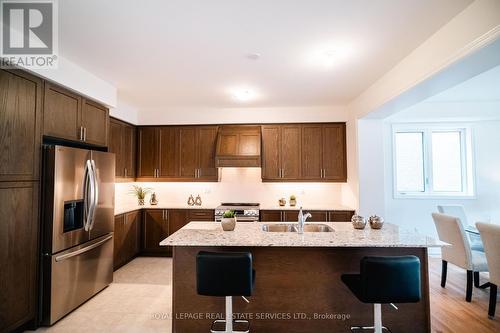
302 219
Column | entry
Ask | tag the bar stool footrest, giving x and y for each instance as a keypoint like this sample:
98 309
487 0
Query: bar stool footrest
236 323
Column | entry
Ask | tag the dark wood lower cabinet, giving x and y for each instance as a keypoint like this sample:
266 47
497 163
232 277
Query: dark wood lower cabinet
155 229
317 215
126 238
18 253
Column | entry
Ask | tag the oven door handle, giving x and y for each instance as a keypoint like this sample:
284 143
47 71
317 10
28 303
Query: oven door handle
83 250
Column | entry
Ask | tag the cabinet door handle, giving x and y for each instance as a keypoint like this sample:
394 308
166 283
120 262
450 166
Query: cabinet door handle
80 135
85 134
125 172
163 214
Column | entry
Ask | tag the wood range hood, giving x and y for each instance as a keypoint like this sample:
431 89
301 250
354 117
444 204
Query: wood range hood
238 146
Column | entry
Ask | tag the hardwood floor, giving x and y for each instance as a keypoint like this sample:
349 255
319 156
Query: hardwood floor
450 313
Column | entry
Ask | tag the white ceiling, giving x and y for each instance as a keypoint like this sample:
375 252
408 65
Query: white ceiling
192 53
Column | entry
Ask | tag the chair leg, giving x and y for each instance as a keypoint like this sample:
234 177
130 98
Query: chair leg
477 284
493 301
377 318
468 292
444 271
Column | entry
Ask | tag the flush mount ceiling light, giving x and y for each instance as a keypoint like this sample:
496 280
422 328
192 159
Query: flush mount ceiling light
243 94
328 56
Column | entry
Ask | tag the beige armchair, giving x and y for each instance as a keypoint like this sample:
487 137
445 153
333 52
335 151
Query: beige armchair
451 231
490 235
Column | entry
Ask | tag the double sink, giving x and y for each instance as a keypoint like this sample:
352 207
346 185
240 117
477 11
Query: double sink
293 227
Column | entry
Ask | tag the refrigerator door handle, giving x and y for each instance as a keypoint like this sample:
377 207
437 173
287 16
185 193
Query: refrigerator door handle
95 197
88 194
82 250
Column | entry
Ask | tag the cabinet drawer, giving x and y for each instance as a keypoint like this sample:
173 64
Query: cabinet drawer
201 215
340 216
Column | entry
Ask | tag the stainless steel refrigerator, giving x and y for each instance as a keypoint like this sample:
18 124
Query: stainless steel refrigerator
77 228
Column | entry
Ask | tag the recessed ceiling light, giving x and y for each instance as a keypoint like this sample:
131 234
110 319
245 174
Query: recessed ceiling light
243 94
329 56
253 56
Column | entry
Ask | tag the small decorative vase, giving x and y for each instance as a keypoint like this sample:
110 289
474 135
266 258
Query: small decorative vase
376 222
293 202
228 224
141 201
191 200
197 201
153 201
358 222
282 202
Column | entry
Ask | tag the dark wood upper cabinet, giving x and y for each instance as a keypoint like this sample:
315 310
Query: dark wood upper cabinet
238 146
271 166
148 152
290 152
304 152
312 158
20 125
95 122
122 142
188 150
69 116
169 152
281 152
206 143
334 152
177 153
61 113
116 146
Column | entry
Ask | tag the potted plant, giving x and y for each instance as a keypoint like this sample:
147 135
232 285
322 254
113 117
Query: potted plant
293 200
140 193
228 221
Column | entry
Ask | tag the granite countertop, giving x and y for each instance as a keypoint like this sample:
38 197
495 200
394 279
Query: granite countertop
251 234
125 208
306 208
131 207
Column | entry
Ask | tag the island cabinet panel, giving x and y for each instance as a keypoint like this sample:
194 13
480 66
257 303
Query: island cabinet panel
18 253
304 152
273 294
177 153
155 229
20 125
69 116
122 142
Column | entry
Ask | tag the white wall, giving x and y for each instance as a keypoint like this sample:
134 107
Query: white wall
239 185
415 213
74 77
241 115
125 112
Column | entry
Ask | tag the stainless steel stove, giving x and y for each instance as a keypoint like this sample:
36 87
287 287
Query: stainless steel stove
245 212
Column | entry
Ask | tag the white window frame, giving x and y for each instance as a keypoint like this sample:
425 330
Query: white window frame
467 155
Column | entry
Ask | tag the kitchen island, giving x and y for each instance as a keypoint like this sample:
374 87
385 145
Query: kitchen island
298 286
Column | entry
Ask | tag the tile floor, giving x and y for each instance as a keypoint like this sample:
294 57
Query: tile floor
138 300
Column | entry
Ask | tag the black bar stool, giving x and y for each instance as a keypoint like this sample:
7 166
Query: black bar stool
225 274
382 280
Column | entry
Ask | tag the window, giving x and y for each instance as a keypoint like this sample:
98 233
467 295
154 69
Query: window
432 160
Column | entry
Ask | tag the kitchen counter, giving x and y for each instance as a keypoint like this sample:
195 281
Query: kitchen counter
251 234
122 209
297 277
